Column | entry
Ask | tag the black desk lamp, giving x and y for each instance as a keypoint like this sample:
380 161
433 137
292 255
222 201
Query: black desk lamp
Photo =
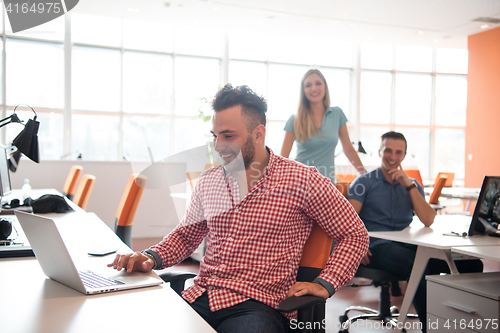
26 141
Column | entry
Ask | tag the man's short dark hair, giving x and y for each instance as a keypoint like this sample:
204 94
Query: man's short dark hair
396 136
253 106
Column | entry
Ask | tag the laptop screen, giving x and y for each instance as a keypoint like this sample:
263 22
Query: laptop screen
5 187
486 216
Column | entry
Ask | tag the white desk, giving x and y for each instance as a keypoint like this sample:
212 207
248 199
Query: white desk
21 246
432 244
463 193
31 302
483 252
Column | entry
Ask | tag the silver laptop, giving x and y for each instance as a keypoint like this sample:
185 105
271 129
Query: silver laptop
57 263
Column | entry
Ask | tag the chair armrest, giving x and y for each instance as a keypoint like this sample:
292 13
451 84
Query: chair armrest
296 303
176 279
176 276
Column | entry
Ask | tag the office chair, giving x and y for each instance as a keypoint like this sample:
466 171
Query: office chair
71 181
449 180
436 193
193 175
389 285
415 174
83 191
128 207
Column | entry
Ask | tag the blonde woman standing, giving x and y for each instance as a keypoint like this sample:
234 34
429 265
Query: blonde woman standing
317 128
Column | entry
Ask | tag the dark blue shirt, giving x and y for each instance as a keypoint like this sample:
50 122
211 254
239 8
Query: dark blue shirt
386 207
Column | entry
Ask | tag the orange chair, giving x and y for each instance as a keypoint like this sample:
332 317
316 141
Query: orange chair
83 191
449 180
128 207
344 177
311 309
415 174
193 175
71 181
436 192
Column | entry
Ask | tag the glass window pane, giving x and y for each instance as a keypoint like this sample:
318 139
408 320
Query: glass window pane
275 135
191 134
284 90
375 104
415 59
284 48
95 137
147 83
370 138
148 36
418 152
1 69
34 73
52 30
333 53
339 85
450 152
1 19
196 82
451 100
198 41
139 133
376 56
413 99
97 30
96 79
452 61
50 132
248 46
252 74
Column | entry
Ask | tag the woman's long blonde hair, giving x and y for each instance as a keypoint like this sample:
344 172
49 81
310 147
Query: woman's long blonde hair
303 126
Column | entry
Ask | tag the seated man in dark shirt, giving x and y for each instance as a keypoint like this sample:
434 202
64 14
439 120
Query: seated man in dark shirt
386 200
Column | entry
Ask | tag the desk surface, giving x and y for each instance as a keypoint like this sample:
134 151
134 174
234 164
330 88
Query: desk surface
433 237
482 252
466 193
31 302
21 246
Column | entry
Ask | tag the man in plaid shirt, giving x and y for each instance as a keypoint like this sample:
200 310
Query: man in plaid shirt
257 211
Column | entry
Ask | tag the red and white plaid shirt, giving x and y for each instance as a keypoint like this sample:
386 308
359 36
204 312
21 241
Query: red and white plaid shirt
254 245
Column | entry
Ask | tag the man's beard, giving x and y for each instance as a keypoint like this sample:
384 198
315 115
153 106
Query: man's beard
244 158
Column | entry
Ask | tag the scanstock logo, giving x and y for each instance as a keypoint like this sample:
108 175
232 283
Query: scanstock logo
26 14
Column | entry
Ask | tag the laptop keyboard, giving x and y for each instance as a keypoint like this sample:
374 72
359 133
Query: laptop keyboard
94 280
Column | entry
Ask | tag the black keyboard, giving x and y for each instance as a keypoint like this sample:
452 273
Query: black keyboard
94 280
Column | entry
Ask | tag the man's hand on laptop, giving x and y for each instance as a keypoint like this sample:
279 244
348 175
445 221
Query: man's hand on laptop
132 262
307 288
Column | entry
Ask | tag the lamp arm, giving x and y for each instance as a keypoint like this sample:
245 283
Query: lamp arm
12 119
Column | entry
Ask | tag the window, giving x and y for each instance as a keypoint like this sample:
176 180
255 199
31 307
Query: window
147 83
284 90
196 82
413 99
96 137
375 106
34 80
137 88
96 77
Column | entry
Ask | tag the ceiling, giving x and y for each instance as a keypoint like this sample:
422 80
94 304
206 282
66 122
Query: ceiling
432 23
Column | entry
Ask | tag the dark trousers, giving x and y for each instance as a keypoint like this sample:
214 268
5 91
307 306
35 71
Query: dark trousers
398 258
248 317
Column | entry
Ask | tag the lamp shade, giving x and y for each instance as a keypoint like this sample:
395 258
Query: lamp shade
27 140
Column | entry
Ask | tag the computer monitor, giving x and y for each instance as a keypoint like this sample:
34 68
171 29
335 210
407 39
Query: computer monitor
5 187
486 216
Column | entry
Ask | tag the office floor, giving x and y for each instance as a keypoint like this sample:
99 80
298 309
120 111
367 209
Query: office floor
345 297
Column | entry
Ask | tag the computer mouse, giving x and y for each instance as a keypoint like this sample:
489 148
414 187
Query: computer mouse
5 229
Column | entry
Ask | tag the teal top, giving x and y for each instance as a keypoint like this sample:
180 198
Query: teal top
319 151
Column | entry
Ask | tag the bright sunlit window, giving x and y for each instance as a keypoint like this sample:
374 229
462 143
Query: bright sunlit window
137 88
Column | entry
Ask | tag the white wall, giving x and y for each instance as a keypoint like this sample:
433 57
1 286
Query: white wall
158 213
